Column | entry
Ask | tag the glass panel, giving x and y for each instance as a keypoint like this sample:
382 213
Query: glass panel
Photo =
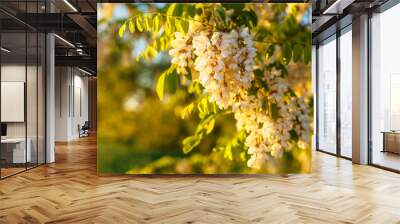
22 88
14 153
41 99
32 95
385 86
32 87
327 96
345 94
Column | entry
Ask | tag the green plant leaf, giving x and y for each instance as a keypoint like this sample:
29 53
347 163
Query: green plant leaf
121 30
191 10
156 25
179 9
209 126
253 18
307 54
139 25
259 73
187 110
221 13
202 107
178 25
170 26
151 52
235 6
287 53
270 51
172 81
131 26
181 25
297 53
293 135
148 23
228 152
171 9
161 86
250 18
189 143
274 111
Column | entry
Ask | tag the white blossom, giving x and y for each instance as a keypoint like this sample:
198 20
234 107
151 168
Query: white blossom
225 63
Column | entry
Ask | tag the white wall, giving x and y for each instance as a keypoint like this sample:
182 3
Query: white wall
12 73
33 127
71 102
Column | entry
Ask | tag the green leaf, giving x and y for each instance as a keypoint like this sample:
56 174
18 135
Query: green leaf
221 13
167 82
170 26
151 51
187 110
148 23
307 54
202 107
179 9
139 21
293 135
178 25
172 81
181 25
131 26
156 44
228 152
250 18
161 86
156 25
190 143
264 104
253 18
234 6
214 108
185 26
259 73
261 34
297 53
252 90
191 10
291 92
171 9
287 53
209 126
270 51
274 111
121 30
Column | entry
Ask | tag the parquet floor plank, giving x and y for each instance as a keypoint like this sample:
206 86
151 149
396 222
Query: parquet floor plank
70 191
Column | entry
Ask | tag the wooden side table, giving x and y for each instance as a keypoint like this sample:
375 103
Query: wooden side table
391 141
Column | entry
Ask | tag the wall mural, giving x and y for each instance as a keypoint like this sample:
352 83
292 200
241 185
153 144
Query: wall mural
204 88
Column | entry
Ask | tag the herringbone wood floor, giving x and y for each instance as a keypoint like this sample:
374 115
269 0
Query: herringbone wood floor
69 191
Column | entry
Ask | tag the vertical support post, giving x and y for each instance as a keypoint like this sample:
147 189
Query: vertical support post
50 92
338 77
360 90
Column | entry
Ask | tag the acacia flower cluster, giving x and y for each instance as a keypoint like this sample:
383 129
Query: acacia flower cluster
225 63
267 135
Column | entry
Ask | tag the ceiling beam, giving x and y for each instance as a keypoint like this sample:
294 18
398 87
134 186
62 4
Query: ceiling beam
82 61
84 24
